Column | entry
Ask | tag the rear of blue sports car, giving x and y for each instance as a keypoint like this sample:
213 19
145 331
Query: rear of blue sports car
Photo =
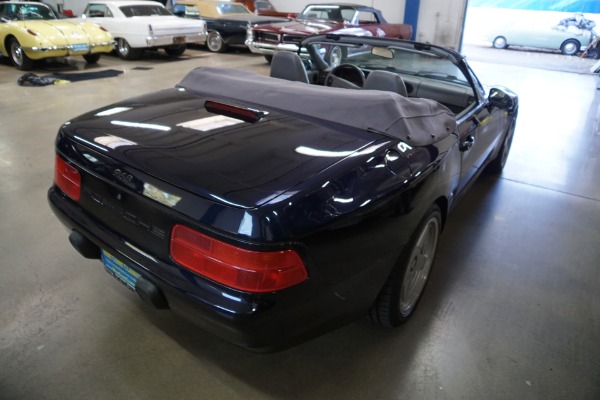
262 228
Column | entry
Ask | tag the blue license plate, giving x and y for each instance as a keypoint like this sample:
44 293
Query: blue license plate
119 270
80 47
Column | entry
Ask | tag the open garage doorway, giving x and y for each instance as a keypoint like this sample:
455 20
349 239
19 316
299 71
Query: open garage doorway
538 33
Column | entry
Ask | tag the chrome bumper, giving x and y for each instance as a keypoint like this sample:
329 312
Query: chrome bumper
156 41
266 48
69 48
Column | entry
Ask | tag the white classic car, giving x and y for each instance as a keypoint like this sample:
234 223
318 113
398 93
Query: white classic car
140 24
569 40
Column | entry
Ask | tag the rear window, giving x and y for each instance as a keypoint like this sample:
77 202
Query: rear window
226 9
328 12
144 10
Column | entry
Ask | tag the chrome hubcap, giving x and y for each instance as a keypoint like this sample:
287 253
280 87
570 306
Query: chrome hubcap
570 48
17 53
123 47
420 262
214 40
335 58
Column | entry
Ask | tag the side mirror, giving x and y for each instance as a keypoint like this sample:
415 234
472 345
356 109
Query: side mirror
501 99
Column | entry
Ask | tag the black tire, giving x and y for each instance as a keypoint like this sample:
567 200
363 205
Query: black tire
570 47
269 58
18 56
404 287
175 50
500 42
497 164
92 58
126 52
215 43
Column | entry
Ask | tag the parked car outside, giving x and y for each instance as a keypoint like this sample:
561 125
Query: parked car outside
569 41
32 31
139 25
227 22
264 7
269 210
339 18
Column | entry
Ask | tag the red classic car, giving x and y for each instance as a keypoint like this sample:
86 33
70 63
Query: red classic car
339 18
264 7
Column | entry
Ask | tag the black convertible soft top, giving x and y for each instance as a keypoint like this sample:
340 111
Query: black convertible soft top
416 121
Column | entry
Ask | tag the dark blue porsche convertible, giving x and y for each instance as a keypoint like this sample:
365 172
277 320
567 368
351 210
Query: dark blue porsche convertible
269 210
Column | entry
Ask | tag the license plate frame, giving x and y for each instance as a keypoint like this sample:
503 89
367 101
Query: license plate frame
179 40
119 270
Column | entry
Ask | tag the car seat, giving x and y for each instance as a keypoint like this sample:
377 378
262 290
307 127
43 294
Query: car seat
386 81
289 66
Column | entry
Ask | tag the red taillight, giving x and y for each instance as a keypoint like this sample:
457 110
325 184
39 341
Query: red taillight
250 271
67 178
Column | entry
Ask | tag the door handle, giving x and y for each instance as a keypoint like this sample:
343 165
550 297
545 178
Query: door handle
468 143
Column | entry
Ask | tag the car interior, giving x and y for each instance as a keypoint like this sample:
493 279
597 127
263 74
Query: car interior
457 96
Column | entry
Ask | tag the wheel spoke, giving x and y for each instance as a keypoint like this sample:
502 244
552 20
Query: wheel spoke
417 272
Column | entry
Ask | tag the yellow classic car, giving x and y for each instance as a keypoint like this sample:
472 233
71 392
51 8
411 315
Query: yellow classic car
32 31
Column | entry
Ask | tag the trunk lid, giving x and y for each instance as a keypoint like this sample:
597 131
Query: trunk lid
59 32
172 137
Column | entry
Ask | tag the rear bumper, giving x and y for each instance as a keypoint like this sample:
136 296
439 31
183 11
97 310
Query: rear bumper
169 40
70 50
258 322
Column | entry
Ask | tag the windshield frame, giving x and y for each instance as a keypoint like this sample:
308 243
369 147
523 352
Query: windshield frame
335 14
451 70
46 14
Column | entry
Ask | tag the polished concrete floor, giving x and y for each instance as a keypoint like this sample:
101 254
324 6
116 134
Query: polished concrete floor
512 310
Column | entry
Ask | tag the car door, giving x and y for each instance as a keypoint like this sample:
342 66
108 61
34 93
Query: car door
536 35
478 130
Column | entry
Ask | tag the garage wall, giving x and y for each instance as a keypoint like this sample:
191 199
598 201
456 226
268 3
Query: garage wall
440 21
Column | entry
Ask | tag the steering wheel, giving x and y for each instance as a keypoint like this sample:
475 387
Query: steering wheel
347 76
